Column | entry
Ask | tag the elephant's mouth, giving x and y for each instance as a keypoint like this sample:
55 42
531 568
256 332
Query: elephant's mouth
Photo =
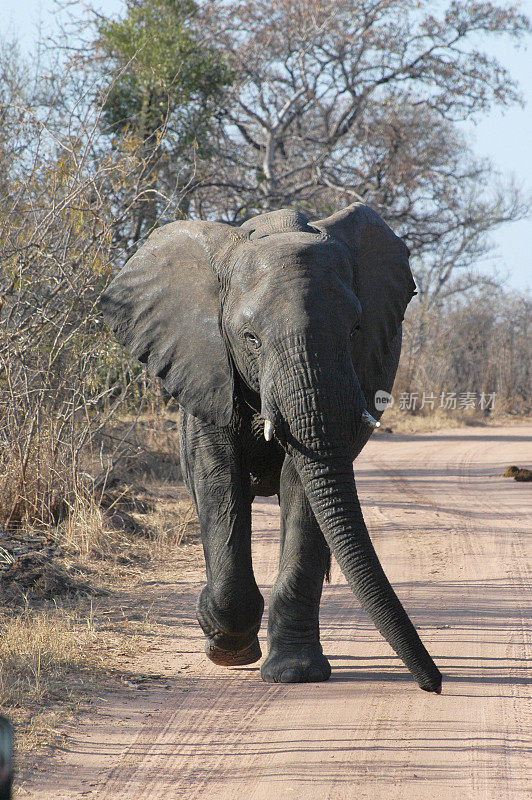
366 420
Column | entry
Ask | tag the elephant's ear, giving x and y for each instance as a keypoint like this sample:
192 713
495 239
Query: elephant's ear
382 282
164 307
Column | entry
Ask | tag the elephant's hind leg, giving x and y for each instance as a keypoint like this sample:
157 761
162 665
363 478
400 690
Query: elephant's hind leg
294 650
230 606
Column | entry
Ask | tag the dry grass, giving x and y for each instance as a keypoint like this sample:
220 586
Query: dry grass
54 654
86 532
53 659
37 650
405 422
144 533
49 659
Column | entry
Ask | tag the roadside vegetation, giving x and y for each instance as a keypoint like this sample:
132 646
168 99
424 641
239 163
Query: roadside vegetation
216 111
70 621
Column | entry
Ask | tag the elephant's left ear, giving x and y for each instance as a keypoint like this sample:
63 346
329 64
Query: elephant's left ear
164 306
382 281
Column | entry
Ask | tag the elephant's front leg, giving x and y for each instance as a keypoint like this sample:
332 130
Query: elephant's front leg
230 606
294 650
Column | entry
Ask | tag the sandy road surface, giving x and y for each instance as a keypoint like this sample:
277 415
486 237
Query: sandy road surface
452 536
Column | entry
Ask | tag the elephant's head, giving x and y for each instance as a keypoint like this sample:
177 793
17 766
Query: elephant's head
300 317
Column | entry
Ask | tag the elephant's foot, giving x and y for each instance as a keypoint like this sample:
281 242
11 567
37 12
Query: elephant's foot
230 625
304 665
233 658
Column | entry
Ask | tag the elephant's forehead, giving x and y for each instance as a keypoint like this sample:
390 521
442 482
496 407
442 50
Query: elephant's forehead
304 253
296 281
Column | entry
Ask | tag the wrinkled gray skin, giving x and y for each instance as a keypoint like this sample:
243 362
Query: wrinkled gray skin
298 323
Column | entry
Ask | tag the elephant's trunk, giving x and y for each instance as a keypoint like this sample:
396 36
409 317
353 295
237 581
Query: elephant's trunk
321 409
331 490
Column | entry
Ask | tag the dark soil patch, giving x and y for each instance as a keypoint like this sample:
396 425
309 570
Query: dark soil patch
33 578
519 474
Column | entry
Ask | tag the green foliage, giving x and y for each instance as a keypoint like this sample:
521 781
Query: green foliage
163 75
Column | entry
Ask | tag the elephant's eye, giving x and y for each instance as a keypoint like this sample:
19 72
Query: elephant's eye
355 330
252 341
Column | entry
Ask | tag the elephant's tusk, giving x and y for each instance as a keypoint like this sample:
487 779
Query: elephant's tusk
268 430
369 420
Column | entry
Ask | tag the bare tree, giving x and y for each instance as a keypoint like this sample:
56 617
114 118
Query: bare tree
335 102
480 344
61 374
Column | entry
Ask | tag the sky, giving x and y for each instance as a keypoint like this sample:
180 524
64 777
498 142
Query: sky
504 136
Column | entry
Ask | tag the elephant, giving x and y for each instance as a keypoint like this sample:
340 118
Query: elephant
6 758
274 337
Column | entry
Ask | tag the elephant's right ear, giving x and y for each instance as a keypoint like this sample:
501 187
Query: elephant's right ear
164 307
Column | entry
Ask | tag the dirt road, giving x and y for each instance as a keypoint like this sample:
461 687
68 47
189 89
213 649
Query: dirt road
452 536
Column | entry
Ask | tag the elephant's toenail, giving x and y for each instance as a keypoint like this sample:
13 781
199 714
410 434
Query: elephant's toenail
289 676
